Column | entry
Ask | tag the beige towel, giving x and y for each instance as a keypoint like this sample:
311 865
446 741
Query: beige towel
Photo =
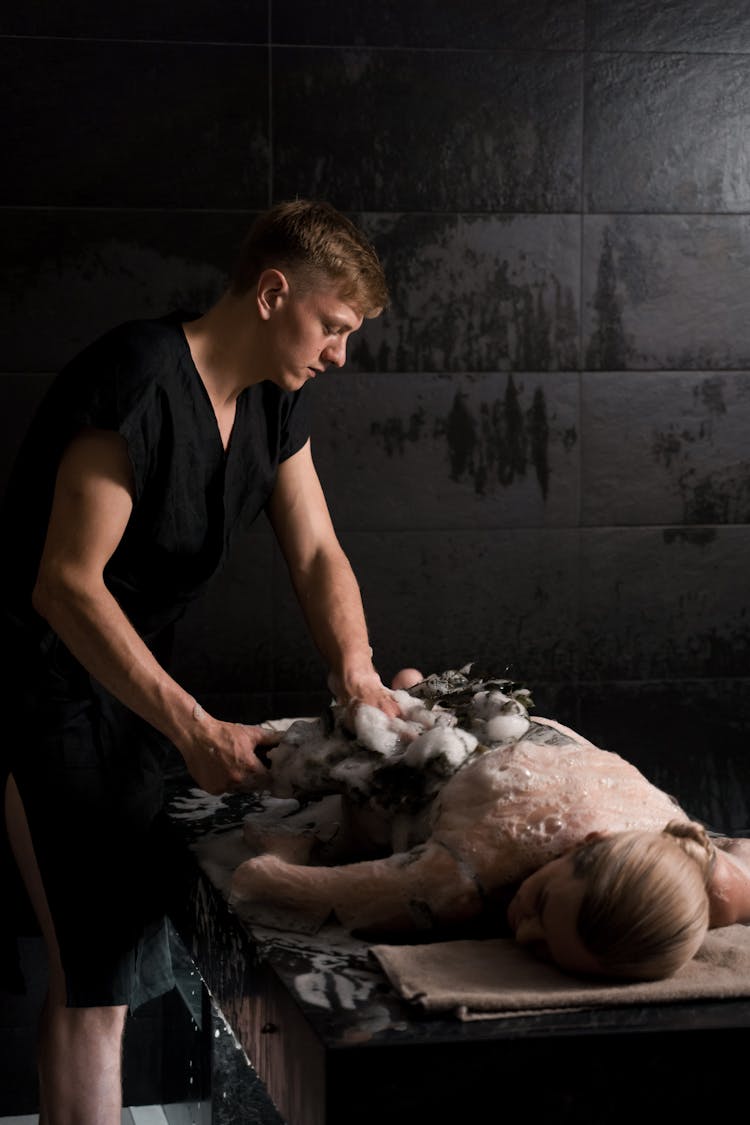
492 978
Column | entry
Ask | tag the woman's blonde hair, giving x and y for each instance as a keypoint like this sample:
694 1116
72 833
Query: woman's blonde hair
645 909
314 240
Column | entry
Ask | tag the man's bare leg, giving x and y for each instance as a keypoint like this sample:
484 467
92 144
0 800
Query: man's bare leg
80 1072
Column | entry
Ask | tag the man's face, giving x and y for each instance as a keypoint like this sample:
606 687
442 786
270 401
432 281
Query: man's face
544 915
309 332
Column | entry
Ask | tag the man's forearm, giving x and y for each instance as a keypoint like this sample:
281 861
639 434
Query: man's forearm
97 632
331 602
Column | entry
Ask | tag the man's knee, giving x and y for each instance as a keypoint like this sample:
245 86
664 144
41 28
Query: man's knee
98 1024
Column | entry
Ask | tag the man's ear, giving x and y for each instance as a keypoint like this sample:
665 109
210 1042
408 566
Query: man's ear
271 292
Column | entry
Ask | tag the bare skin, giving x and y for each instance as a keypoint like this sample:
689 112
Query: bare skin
79 1048
274 332
489 831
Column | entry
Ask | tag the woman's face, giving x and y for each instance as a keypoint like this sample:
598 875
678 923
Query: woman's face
543 914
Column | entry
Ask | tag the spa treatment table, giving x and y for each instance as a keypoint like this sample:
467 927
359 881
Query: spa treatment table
333 1043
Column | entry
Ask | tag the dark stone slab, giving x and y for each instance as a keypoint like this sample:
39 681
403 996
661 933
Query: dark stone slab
126 124
664 603
238 1095
243 21
428 131
643 25
666 292
667 132
461 451
474 293
556 24
68 276
437 599
331 1040
665 448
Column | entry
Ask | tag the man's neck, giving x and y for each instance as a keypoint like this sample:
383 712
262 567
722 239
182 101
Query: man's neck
222 348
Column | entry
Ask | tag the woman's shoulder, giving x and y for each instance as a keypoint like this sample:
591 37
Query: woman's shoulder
729 887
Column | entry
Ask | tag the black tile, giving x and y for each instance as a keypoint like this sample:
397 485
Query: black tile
428 131
438 600
664 603
649 25
431 23
448 451
474 293
667 133
68 276
234 21
111 124
665 448
666 292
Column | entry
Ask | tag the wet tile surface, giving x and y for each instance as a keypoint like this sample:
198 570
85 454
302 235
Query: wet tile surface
243 21
474 293
97 124
432 23
438 600
666 292
665 448
68 276
642 25
664 603
667 132
448 451
454 131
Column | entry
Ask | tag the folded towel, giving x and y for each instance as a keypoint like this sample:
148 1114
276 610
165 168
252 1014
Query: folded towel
496 977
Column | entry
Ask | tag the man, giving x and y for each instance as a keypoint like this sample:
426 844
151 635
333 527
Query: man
153 448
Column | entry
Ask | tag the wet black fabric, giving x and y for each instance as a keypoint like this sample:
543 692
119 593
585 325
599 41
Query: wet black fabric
89 771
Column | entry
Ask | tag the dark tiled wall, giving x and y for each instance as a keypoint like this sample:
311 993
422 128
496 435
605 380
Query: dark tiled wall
538 457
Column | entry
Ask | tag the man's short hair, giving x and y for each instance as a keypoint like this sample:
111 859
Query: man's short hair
313 240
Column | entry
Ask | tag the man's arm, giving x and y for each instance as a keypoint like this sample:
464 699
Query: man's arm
92 505
324 582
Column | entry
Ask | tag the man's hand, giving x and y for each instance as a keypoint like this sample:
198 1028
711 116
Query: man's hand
224 757
365 688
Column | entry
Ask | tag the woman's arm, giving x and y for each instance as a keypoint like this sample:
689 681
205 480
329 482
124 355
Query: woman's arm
408 891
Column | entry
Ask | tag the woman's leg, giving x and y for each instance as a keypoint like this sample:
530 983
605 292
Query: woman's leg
79 1048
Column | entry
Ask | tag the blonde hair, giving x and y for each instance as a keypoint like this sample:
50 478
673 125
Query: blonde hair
645 909
314 240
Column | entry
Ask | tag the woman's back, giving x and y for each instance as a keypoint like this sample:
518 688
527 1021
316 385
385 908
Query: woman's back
516 807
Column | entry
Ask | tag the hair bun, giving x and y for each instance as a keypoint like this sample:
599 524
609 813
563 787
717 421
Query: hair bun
686 834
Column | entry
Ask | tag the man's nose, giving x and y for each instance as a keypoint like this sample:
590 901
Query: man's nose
336 353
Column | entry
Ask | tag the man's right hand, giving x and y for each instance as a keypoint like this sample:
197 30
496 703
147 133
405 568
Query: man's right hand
223 757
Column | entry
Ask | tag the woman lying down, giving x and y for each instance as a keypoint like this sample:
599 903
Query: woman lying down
465 797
